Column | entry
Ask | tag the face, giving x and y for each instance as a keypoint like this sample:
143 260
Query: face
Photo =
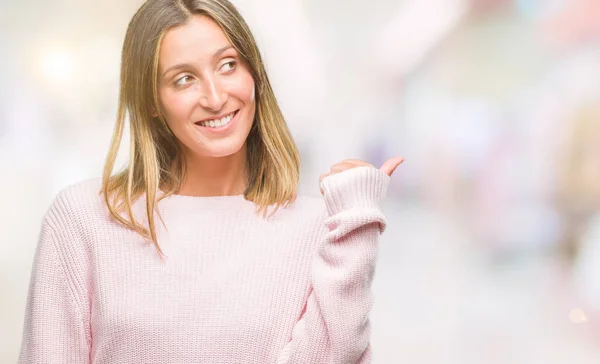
206 92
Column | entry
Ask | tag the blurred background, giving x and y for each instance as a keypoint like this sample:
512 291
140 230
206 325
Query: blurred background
492 252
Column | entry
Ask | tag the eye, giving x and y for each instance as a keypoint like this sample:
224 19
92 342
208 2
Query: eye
229 66
183 80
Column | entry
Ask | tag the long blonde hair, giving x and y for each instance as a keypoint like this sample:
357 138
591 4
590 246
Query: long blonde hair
273 160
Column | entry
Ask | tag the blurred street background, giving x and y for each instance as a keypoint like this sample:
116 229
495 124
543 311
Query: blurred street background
492 252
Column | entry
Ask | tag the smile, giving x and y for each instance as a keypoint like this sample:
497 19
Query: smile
218 123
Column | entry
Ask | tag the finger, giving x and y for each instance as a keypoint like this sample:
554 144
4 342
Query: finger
339 167
390 165
358 162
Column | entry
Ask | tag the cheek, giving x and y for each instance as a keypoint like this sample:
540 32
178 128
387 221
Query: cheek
243 88
175 106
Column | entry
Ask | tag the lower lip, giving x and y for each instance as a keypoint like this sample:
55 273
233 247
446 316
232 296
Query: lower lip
220 129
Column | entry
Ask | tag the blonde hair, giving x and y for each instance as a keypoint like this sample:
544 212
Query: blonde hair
273 160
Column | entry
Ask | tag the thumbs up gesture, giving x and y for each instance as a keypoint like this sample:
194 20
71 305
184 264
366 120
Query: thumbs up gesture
388 167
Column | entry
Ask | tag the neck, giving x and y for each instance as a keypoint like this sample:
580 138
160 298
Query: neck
215 176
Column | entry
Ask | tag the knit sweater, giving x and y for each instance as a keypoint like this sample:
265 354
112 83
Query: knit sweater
293 288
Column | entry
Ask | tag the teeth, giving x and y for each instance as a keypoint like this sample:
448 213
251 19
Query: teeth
217 122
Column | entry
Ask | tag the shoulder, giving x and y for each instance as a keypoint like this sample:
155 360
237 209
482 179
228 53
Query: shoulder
76 204
309 205
68 226
303 219
304 207
307 211
309 200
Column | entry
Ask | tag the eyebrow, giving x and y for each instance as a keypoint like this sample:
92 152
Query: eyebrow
186 65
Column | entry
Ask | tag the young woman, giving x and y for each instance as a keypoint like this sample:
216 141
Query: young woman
177 259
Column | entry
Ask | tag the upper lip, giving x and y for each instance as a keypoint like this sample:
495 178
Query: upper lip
218 117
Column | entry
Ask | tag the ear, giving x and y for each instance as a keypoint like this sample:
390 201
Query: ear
153 112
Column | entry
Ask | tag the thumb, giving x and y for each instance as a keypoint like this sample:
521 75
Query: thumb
390 165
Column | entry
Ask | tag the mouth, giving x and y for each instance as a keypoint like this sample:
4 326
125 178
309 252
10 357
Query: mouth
219 123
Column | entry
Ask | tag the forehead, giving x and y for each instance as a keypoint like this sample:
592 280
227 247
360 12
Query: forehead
198 39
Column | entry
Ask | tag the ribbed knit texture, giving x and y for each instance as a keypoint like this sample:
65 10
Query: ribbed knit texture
234 288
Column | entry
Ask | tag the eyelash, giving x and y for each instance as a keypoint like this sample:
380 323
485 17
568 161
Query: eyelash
233 64
177 81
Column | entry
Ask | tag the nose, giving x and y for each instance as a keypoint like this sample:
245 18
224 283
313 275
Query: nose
213 96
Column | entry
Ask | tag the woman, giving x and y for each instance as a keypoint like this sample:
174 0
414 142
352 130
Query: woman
214 281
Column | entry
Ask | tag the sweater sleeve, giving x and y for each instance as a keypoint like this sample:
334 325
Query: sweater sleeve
55 329
334 327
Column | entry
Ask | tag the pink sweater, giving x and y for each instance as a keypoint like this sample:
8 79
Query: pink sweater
235 288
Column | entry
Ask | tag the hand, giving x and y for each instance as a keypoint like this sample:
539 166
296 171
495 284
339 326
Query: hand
388 167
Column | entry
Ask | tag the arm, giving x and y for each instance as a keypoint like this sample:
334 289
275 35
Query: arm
334 327
55 327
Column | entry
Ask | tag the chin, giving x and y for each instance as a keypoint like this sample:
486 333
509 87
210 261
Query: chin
220 152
